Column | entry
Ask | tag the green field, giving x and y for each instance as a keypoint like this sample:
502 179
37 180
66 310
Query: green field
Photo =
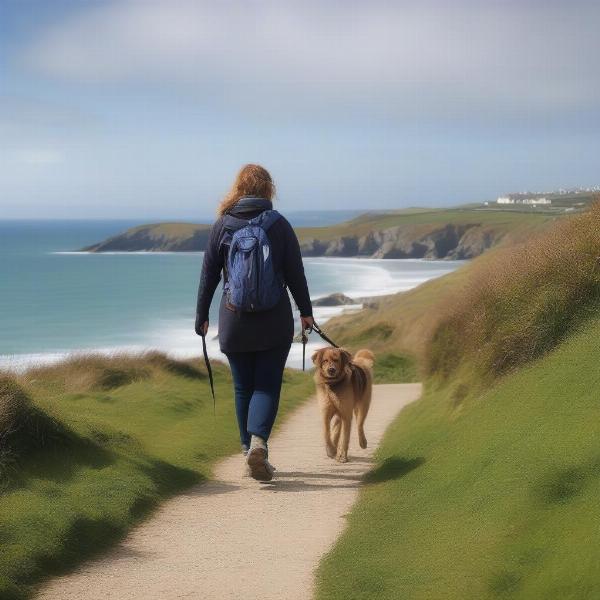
424 218
92 446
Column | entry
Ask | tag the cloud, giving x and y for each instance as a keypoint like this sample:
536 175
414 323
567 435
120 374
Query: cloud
24 116
154 103
39 156
436 57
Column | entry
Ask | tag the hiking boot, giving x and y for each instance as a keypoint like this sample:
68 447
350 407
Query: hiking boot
245 449
260 468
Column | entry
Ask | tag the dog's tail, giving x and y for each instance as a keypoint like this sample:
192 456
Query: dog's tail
365 356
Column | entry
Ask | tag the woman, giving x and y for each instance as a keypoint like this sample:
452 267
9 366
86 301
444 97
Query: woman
256 343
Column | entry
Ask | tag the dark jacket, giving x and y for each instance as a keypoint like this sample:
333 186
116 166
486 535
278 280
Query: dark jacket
248 331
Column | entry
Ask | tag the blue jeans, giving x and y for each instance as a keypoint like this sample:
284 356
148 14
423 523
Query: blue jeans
257 380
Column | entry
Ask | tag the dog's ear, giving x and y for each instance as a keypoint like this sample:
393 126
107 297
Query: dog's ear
346 357
317 356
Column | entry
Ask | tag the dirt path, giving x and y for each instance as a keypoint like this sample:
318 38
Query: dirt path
235 537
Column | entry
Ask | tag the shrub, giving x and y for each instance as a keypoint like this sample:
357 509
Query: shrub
184 368
14 406
93 372
24 428
97 372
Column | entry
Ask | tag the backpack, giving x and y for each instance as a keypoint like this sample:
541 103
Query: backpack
252 284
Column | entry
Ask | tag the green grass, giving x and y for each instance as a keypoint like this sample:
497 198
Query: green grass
441 215
424 219
484 496
395 368
95 446
171 230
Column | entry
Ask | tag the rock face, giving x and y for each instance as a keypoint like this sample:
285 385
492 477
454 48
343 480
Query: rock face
450 242
336 299
476 241
434 241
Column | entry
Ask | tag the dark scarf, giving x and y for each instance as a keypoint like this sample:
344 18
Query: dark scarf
250 204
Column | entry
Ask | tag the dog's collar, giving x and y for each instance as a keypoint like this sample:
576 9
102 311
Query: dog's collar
331 382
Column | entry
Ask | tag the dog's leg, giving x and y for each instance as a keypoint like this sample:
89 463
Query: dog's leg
329 447
361 415
336 427
342 451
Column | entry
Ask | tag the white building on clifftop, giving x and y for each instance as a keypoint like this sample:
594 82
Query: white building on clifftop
530 199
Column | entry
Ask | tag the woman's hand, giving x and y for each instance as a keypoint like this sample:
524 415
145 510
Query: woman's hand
202 329
307 323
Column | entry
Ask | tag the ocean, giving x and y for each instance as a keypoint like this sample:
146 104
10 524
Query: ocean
55 301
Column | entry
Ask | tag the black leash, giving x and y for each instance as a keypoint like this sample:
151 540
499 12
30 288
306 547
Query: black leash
304 340
323 335
210 373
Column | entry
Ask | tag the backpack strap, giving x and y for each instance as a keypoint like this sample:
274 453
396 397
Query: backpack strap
230 225
266 219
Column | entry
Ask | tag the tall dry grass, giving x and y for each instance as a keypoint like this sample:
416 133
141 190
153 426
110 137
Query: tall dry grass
26 428
522 301
96 372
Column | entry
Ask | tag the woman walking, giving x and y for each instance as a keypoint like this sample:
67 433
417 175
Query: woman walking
258 253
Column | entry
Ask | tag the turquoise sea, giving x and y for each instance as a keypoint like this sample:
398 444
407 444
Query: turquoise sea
55 300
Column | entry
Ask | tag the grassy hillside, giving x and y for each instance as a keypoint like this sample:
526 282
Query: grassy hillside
90 446
497 499
488 486
417 217
397 323
534 290
517 304
157 237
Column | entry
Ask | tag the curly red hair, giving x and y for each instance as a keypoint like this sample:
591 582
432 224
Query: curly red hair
252 180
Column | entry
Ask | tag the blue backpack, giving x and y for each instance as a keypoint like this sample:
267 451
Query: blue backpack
252 283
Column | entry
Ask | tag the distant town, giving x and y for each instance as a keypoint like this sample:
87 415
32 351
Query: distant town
563 198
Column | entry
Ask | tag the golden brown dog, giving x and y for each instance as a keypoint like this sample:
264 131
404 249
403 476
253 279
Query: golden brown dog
344 386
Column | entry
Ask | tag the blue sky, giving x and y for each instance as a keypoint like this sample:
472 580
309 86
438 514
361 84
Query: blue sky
147 108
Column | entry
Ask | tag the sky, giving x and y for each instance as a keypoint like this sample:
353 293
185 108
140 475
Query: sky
147 108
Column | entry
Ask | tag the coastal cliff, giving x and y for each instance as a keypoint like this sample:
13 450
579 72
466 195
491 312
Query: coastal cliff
436 235
449 242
